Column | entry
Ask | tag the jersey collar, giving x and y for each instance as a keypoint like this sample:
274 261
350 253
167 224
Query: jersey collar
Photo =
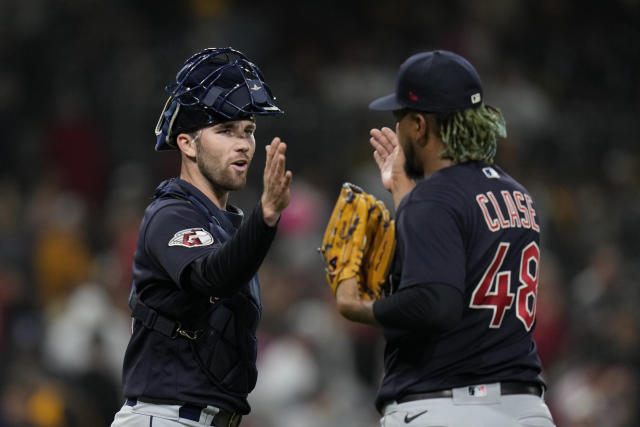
180 187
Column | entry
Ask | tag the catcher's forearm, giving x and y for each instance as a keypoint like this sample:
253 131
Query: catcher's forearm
351 306
223 272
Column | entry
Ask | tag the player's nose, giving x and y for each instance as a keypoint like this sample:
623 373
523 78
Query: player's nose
242 144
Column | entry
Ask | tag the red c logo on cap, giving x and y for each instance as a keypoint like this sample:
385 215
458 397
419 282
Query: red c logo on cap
413 96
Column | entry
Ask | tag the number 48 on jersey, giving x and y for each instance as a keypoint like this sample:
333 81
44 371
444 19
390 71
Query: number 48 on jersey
494 289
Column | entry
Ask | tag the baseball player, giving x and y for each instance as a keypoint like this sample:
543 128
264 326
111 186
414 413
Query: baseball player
464 280
195 298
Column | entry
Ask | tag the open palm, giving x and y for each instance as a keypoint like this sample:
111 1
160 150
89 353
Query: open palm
388 155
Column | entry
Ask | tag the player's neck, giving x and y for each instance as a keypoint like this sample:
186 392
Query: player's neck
431 161
436 165
218 196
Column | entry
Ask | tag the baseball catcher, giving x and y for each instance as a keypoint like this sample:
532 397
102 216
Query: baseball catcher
195 298
359 242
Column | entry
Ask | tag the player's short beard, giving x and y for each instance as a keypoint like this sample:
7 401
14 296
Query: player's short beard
216 175
412 165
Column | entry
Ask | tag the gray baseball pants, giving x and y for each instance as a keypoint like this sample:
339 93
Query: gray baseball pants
488 409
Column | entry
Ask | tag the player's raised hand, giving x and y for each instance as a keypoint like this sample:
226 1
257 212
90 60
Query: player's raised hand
390 160
276 193
388 156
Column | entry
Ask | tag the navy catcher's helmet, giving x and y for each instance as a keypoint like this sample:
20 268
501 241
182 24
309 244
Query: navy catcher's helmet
213 86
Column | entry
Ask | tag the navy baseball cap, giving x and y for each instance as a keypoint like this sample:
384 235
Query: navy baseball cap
436 82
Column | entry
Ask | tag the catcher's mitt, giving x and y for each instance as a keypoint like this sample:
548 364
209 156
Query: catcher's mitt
359 241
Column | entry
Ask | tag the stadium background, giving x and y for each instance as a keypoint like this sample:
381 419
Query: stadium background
80 90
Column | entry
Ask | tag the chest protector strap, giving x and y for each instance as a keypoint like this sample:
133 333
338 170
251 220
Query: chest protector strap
151 319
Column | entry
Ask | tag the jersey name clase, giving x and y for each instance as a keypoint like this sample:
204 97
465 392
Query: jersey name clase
509 209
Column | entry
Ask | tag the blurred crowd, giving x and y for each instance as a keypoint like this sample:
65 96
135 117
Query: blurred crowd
80 91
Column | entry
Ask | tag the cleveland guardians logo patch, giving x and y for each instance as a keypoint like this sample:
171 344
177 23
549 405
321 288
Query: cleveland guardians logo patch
191 238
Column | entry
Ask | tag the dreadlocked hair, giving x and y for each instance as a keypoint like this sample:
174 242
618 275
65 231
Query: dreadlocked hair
471 134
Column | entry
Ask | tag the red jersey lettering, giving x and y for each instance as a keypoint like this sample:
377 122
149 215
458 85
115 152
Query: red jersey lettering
532 212
492 223
511 208
519 208
503 222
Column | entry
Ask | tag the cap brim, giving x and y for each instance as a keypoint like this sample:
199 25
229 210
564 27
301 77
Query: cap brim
386 103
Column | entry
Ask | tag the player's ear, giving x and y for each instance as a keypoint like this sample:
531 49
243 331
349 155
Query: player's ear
187 144
421 126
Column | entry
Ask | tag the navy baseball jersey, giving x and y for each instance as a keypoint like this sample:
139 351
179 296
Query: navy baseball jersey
207 354
474 228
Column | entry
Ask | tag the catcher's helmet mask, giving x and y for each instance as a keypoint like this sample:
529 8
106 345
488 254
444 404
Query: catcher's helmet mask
213 86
